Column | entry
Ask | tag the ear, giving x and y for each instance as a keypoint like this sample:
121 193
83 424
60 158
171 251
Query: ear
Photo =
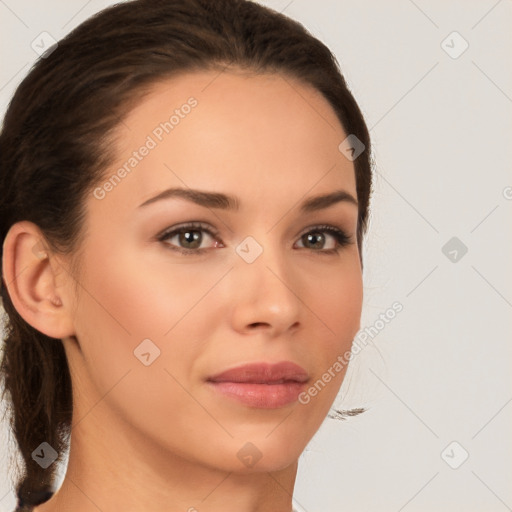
37 283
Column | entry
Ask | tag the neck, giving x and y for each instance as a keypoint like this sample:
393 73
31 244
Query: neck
115 469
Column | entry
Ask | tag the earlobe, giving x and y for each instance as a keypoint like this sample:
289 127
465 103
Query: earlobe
31 273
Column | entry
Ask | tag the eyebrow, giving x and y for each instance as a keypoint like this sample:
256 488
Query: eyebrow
227 202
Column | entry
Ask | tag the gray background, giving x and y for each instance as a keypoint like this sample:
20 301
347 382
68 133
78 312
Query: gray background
440 370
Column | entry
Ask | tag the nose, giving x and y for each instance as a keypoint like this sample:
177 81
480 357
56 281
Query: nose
266 294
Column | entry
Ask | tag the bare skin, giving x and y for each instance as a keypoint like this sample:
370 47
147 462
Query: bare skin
158 437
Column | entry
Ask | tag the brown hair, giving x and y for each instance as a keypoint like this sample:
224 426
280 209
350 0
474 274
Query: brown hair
53 153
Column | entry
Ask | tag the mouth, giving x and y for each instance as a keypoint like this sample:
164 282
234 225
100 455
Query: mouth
261 385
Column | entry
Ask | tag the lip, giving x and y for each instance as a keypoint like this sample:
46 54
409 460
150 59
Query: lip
262 385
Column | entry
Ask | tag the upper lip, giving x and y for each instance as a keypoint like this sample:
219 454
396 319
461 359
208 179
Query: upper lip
263 373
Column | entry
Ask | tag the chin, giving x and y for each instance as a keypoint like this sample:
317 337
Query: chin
264 451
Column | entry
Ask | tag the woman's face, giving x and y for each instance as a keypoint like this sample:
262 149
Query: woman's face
262 282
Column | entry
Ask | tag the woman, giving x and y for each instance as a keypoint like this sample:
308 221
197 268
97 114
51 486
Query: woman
185 192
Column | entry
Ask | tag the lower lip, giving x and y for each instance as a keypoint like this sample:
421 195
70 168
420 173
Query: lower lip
263 396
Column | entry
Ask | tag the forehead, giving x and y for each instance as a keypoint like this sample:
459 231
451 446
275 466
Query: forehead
232 132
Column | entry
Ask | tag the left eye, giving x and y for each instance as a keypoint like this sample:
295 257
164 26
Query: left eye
317 237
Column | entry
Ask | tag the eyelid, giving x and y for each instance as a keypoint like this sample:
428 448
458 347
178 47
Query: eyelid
321 227
191 225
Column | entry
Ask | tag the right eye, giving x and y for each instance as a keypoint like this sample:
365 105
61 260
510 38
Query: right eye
189 237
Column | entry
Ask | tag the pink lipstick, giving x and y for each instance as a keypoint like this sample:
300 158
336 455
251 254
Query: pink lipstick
262 385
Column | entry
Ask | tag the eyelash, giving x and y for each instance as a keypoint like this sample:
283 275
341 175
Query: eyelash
340 236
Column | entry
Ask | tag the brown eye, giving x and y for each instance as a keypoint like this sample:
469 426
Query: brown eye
316 239
189 238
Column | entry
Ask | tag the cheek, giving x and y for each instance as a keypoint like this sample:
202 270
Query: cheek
338 305
131 300
133 297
